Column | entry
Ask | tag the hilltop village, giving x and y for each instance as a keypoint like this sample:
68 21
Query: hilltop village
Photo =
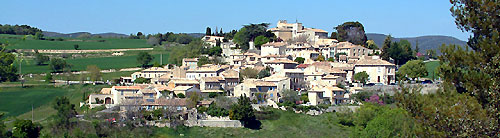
319 69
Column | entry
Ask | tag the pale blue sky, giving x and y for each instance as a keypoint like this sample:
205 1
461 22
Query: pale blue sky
401 18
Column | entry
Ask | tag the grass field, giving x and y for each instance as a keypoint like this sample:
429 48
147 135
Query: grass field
431 69
288 125
16 101
16 42
80 64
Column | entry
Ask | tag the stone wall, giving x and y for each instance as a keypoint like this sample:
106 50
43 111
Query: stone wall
219 123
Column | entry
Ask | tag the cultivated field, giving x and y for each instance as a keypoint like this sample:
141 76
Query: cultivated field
79 64
17 42
16 101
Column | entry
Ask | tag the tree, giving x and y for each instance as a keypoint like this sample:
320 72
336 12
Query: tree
248 73
144 58
413 69
215 51
391 123
65 111
38 36
58 64
290 96
299 60
8 72
243 111
26 129
181 95
370 44
431 53
202 61
208 31
353 32
260 40
320 58
333 35
193 100
40 59
417 49
361 77
94 72
76 46
154 41
475 71
385 48
447 113
48 77
3 133
249 33
142 80
264 73
331 59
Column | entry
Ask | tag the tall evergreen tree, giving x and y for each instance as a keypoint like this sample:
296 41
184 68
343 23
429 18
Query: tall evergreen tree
385 48
208 31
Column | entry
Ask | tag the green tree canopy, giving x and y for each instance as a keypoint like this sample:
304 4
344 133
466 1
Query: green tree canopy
250 32
243 111
353 32
59 64
385 48
26 129
299 60
142 80
260 40
94 72
65 111
413 69
144 58
8 72
361 77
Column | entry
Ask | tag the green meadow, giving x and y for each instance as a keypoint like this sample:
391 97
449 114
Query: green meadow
17 42
79 64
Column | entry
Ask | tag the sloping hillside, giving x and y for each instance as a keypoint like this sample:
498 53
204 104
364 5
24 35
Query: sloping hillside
424 42
74 35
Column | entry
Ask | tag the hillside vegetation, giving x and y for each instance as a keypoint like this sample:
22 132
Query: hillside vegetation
424 42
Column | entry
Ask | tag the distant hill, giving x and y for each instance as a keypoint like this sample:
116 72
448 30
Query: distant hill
74 35
197 35
114 35
424 42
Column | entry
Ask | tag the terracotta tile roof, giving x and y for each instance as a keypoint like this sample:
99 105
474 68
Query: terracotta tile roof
264 83
230 74
184 81
303 66
127 87
330 77
208 91
373 62
274 44
106 91
182 88
212 79
167 102
148 90
287 61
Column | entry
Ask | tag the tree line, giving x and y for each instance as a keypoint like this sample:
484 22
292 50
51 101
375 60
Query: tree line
18 29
